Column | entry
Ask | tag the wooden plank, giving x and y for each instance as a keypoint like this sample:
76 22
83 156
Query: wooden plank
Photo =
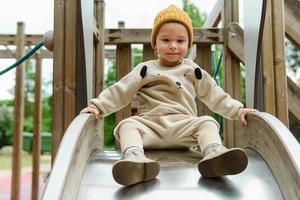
36 143
292 23
11 54
203 59
294 99
235 38
100 48
99 11
148 52
10 39
70 62
129 36
214 16
279 61
268 63
58 74
96 31
123 61
231 68
18 117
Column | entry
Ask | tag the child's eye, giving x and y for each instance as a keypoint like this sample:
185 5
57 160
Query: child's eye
180 41
165 40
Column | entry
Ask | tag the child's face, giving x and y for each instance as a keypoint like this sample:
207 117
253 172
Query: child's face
172 43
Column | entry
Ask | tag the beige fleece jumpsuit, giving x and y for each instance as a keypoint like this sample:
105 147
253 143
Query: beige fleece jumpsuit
167 113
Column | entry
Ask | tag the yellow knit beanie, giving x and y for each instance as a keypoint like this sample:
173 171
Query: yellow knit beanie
172 14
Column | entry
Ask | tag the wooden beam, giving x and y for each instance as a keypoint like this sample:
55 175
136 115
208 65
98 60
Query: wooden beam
203 59
123 62
100 52
235 38
279 61
58 75
268 63
127 36
292 22
231 69
214 17
11 39
130 36
36 143
294 99
11 54
148 52
18 117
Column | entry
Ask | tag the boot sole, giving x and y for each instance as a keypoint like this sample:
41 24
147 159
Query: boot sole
231 162
129 172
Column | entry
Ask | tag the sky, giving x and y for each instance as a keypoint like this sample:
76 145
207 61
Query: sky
38 18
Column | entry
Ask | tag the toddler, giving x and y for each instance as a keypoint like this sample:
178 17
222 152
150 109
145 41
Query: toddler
167 115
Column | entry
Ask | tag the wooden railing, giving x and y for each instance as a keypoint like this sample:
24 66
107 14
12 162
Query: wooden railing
21 41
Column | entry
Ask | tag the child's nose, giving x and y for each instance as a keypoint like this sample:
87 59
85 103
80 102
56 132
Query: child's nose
173 45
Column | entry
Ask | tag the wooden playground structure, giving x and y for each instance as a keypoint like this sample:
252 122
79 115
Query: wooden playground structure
78 67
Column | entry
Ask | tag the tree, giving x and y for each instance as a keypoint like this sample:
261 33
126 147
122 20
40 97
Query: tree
198 18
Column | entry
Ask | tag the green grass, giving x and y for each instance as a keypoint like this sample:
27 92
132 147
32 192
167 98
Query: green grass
26 161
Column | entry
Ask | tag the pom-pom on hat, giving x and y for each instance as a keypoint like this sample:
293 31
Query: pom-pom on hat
172 14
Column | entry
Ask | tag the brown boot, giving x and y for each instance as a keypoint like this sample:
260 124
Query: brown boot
220 161
134 168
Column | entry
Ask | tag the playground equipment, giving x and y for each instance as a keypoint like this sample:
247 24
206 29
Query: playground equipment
82 169
270 146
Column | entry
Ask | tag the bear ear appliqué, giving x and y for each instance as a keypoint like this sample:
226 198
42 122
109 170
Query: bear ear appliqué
143 71
198 73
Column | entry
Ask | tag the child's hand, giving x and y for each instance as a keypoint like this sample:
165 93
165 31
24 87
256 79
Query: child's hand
244 112
92 110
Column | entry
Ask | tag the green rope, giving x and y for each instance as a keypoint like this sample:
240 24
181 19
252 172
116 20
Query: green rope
217 70
22 59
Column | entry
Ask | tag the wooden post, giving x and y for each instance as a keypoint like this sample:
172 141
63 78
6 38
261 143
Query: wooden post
18 116
203 59
99 7
267 63
231 68
64 71
273 58
148 52
100 48
123 61
279 61
58 74
36 144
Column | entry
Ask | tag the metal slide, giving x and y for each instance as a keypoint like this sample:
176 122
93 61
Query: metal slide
82 171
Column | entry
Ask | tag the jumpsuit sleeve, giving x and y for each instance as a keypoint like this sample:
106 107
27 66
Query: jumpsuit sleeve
216 99
118 95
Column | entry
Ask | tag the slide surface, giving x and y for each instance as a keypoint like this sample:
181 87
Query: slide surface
178 179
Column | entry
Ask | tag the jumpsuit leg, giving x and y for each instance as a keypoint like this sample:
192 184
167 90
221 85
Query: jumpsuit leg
134 167
218 160
208 133
130 136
